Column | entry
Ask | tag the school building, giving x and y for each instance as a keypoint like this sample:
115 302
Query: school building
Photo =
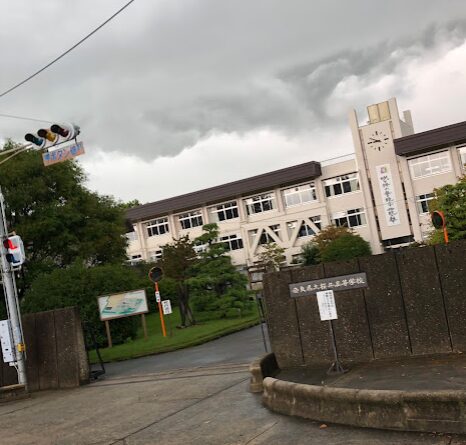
381 191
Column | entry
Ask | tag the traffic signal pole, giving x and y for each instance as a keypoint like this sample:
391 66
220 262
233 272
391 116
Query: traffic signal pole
11 300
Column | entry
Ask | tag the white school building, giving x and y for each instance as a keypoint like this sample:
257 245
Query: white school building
381 191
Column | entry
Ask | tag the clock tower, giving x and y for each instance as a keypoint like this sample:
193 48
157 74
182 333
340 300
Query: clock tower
379 171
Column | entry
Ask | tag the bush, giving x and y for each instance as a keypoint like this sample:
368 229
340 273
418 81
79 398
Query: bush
345 247
80 286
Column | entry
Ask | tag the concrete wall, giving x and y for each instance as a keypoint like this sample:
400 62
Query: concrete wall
414 304
56 354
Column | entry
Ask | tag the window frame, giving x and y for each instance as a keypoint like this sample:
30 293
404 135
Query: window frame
347 215
230 239
426 159
249 205
425 199
214 211
461 150
312 189
340 181
155 223
191 216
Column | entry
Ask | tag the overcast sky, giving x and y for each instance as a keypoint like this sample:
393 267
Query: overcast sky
177 95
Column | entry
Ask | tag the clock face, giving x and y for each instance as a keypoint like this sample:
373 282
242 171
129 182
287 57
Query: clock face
378 140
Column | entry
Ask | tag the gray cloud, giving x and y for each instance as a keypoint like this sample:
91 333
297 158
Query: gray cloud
167 74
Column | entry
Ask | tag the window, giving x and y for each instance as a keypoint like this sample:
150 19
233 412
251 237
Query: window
260 203
341 184
430 165
200 248
265 238
422 202
462 156
305 229
350 218
156 255
300 194
132 236
225 211
157 227
190 219
134 259
232 242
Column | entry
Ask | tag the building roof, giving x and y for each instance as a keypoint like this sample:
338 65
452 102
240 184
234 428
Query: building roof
266 181
430 140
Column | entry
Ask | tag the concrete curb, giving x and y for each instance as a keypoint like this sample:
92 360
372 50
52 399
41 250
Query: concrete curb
265 366
427 411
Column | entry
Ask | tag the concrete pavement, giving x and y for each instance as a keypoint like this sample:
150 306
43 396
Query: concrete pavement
204 402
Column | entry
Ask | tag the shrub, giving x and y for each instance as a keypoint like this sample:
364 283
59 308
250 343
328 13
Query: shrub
80 286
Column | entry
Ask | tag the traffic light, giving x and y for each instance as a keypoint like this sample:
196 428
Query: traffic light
35 140
56 134
14 247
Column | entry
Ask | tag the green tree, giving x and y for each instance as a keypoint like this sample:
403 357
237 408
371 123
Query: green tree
345 247
59 220
451 200
177 262
78 285
272 256
310 254
217 286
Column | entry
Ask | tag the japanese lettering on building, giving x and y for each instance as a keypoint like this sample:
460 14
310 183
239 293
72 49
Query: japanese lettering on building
344 282
384 175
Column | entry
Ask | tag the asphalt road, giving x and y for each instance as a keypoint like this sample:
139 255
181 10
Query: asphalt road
240 347
205 402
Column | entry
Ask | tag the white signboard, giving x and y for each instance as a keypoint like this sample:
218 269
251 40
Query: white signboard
157 296
327 306
384 176
166 307
123 305
7 342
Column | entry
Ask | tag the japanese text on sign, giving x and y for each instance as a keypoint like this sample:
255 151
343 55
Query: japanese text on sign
327 306
63 154
344 282
166 307
387 192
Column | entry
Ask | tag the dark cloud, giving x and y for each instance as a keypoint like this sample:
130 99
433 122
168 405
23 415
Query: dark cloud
167 74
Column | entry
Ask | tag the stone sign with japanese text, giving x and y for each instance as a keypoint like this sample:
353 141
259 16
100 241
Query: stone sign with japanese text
344 282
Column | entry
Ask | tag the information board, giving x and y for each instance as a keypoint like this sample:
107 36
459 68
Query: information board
124 304
327 306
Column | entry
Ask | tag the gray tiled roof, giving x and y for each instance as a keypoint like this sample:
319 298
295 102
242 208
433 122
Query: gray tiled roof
285 176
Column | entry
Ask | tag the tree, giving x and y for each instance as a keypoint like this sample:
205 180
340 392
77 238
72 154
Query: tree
178 259
59 220
310 254
451 200
78 285
334 244
329 234
272 256
345 247
216 284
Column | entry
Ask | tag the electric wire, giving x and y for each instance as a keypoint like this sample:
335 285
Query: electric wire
9 90
13 116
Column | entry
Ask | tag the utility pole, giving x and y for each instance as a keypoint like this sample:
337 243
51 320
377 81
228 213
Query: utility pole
11 299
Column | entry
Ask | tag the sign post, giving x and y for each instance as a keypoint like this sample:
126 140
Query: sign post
121 305
328 312
155 274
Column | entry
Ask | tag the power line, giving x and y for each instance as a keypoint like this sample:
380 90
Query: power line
67 51
13 116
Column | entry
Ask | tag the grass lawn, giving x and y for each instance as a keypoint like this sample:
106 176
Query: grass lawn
179 338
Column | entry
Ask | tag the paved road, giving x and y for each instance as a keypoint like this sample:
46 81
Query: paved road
240 347
208 404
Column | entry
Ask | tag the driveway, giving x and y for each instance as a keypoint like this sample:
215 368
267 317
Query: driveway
202 403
